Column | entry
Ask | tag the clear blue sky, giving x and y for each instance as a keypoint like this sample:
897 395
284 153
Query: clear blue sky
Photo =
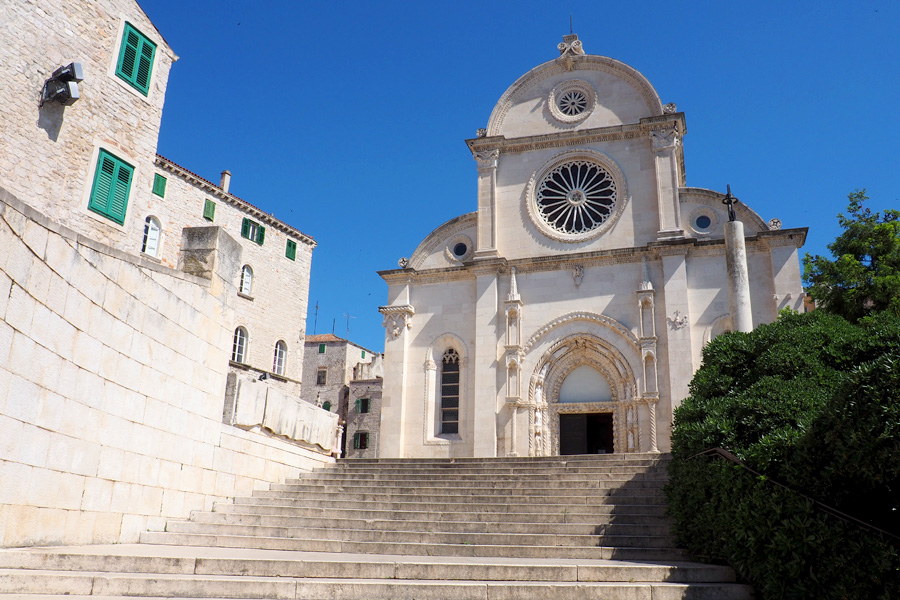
347 119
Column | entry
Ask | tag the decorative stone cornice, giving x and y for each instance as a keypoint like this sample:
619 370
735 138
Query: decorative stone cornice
486 159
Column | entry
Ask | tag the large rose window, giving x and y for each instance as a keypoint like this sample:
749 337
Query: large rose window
576 197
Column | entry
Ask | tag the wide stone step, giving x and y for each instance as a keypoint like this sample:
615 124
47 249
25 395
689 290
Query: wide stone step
470 497
567 460
414 548
290 523
481 503
268 564
289 588
486 487
576 480
643 513
422 535
454 470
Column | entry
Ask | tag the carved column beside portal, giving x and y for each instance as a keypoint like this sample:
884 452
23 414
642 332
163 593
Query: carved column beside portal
514 353
650 392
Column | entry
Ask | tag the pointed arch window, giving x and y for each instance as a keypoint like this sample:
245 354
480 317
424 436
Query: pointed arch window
152 231
280 358
450 391
246 280
239 348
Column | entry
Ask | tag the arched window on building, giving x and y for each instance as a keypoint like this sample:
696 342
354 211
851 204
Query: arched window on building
246 280
326 405
450 392
152 232
280 358
239 349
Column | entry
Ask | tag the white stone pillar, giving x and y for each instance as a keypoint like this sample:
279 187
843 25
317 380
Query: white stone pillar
391 438
738 279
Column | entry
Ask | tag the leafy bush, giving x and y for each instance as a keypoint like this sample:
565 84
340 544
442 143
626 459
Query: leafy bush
813 402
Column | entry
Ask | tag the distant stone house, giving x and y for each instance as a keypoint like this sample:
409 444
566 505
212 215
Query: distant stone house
331 367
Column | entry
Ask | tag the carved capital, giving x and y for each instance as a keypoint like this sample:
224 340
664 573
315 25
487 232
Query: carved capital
664 138
487 159
396 319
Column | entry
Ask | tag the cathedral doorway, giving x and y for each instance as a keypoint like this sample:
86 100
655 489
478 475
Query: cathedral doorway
586 433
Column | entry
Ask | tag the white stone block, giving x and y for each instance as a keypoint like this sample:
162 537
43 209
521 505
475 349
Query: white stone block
88 352
20 309
97 495
16 478
111 463
23 401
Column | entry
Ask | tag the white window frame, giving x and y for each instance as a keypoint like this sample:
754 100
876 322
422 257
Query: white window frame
240 345
246 286
280 359
151 243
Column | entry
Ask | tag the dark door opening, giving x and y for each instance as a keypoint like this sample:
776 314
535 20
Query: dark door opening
586 433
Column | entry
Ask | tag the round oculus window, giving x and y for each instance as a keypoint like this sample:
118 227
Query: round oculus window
576 197
460 249
703 222
572 101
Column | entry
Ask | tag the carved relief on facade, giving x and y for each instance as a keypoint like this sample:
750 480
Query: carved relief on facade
487 159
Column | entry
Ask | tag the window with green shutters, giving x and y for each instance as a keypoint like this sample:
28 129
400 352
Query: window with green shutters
291 250
360 440
112 184
253 231
136 59
362 405
209 210
321 348
159 185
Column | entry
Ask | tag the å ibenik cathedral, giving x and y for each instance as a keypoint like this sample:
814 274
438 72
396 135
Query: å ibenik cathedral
567 313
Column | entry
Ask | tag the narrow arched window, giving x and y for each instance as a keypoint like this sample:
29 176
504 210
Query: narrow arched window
280 358
239 348
152 231
450 392
246 280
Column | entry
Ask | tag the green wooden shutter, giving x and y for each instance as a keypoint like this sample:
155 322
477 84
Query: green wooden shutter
112 184
245 228
291 250
159 185
145 65
209 210
136 59
321 348
260 235
357 405
356 441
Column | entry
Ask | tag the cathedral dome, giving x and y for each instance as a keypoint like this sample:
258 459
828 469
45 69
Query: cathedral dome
574 91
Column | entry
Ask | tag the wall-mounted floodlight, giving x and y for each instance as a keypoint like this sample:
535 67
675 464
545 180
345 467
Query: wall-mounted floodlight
62 86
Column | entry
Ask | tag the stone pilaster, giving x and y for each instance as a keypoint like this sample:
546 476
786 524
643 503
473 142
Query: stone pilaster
397 322
484 366
486 245
665 141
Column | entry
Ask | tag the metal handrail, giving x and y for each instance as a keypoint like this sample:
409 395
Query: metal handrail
723 453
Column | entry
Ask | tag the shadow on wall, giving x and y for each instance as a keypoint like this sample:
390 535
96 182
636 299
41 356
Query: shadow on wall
50 119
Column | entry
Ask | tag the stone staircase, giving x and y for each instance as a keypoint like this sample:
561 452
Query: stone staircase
489 529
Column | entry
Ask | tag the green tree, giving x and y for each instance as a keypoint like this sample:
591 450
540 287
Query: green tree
864 276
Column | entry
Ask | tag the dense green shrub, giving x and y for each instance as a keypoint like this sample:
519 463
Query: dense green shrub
813 402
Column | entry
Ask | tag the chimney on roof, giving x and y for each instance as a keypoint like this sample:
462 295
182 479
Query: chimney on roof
226 179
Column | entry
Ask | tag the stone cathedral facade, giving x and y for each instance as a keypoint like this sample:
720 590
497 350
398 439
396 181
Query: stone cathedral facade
567 314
